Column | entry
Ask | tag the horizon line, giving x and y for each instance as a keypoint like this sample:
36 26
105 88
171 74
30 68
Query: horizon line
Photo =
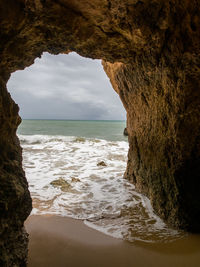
78 119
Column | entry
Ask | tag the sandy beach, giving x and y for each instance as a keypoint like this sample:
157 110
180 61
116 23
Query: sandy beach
63 242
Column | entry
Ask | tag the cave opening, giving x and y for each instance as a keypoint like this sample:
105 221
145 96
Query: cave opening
74 150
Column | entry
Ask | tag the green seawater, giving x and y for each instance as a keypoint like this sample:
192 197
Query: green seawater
107 130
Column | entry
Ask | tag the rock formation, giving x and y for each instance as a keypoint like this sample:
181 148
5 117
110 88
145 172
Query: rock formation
125 132
150 51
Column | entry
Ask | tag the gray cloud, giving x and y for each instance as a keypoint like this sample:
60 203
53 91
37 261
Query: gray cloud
65 87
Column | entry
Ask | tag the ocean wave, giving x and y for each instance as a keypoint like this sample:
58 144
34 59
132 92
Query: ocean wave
83 178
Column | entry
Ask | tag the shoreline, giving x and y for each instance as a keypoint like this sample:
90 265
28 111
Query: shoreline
61 242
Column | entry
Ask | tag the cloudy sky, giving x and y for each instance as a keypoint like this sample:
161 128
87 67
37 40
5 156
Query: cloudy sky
65 87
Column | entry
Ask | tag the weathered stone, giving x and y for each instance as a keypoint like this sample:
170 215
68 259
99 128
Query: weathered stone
151 55
102 164
61 183
125 132
15 201
163 127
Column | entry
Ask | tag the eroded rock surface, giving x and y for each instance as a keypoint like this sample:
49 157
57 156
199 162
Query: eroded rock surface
15 201
151 54
163 126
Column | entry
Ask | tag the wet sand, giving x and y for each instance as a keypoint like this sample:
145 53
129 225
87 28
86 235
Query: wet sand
63 242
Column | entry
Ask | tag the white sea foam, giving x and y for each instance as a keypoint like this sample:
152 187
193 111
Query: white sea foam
65 179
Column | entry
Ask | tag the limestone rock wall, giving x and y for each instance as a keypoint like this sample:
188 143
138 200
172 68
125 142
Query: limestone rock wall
151 51
161 93
15 201
163 128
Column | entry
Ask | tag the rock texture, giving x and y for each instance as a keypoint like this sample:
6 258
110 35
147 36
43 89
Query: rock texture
163 126
151 51
15 202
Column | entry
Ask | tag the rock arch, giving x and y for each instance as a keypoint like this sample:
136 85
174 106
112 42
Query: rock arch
150 51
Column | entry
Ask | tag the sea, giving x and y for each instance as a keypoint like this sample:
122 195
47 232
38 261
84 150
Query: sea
75 169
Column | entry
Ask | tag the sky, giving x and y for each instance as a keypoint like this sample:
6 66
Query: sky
65 87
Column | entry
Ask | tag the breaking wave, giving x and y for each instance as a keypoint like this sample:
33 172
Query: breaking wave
83 179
